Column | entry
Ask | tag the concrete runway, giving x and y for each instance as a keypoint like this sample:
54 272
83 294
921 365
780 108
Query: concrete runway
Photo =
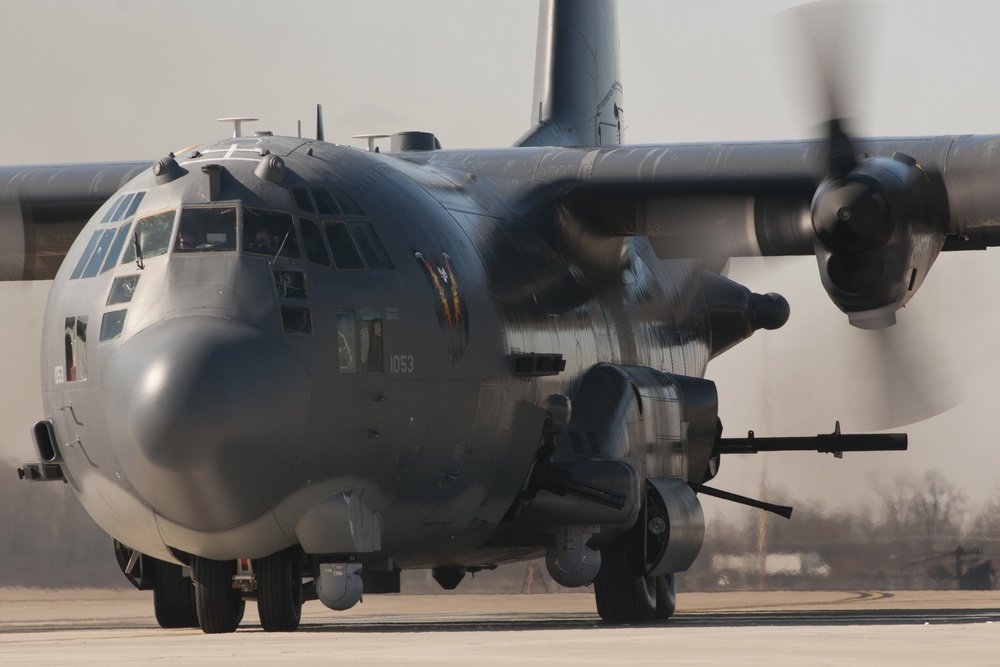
777 628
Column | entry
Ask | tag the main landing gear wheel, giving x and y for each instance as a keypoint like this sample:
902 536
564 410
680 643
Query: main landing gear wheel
279 590
624 593
220 606
173 597
666 596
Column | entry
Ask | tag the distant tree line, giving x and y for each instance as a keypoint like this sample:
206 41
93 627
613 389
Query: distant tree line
903 536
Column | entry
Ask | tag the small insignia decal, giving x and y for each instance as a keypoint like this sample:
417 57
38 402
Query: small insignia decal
450 305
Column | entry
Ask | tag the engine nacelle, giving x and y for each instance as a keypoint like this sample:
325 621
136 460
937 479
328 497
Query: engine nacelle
878 230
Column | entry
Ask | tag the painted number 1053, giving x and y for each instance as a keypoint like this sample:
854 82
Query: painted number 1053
401 363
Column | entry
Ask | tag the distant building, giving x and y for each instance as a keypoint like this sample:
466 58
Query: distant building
804 564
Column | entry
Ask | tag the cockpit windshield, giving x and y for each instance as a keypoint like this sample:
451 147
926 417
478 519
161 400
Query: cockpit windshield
151 237
207 229
355 245
269 233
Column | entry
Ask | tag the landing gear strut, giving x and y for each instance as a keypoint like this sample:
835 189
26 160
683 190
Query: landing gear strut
220 606
279 590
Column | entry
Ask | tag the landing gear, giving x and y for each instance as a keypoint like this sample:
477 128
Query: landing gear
220 606
624 593
279 590
666 596
173 597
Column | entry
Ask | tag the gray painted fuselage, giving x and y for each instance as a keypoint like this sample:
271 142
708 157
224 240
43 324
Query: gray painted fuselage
209 428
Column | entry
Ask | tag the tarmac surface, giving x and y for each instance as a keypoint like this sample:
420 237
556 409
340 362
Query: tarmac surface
745 628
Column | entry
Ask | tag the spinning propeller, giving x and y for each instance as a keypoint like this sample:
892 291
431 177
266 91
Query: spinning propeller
879 224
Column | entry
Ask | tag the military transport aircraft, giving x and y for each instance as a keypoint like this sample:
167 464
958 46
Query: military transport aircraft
276 368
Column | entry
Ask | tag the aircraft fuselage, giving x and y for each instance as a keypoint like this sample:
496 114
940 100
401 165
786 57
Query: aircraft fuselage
208 393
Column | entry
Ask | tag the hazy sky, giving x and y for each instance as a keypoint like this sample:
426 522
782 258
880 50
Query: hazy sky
124 79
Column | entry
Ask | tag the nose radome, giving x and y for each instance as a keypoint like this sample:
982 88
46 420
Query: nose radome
206 416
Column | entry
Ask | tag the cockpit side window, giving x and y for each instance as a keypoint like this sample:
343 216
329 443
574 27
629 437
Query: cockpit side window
345 341
345 254
75 338
111 210
85 257
207 229
313 241
153 233
268 232
371 247
347 205
122 207
116 248
325 204
100 252
135 204
302 200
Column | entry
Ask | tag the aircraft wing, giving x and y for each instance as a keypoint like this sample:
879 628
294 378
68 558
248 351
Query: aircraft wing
44 207
875 212
697 200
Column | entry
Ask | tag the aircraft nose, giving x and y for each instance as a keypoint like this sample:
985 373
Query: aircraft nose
206 417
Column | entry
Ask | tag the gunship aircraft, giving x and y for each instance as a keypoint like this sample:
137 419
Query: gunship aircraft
278 369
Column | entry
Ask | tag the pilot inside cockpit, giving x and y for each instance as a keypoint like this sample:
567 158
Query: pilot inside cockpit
262 243
269 233
185 240
207 229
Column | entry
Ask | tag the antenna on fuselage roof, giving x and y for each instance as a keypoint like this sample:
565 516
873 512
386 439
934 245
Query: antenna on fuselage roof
237 122
371 139
319 123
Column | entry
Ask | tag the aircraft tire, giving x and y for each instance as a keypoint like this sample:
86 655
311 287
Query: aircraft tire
666 596
279 591
624 593
220 607
173 597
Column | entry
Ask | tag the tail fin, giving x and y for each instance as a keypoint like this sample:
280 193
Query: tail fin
578 93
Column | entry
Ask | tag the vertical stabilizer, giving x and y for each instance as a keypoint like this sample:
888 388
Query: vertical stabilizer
578 92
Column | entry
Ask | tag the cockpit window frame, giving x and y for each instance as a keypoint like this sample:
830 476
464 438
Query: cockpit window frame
345 248
236 205
120 210
367 240
286 247
315 247
129 255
